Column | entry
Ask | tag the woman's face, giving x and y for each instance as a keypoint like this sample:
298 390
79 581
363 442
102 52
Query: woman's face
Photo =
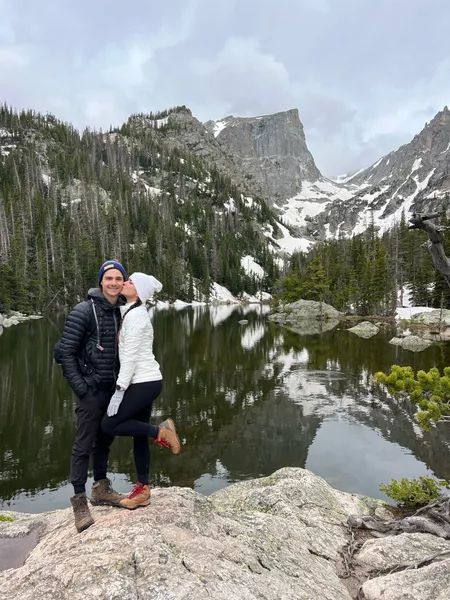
129 291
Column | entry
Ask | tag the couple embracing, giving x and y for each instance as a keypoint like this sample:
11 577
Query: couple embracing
106 352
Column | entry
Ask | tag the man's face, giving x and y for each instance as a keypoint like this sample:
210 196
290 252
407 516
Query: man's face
112 284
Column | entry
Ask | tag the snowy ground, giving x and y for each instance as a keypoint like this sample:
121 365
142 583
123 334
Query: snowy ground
405 313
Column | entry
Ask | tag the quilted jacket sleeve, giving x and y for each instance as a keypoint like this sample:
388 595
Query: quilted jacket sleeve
75 329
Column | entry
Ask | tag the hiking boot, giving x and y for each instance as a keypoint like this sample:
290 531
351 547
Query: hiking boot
102 493
139 496
83 517
167 436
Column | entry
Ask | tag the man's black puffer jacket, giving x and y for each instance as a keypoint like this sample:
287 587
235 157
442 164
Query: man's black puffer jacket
84 364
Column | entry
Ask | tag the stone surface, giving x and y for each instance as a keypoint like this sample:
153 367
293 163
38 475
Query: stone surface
406 549
426 583
278 537
272 150
365 329
307 317
411 342
433 317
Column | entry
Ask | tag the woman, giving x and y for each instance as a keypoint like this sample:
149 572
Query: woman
138 384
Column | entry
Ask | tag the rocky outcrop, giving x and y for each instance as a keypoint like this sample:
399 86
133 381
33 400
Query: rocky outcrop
184 131
433 317
409 554
282 536
271 149
365 329
411 342
307 317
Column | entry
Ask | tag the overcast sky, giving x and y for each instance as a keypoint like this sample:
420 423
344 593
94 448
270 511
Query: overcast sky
365 74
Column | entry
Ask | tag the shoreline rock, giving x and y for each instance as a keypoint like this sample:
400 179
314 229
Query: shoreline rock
414 343
365 329
307 317
282 536
15 318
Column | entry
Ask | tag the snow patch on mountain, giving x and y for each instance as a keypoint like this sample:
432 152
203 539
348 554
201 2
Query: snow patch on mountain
313 198
218 127
290 244
251 267
6 142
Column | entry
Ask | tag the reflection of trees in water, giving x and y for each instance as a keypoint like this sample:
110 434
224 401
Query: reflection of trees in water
35 411
222 395
250 397
359 359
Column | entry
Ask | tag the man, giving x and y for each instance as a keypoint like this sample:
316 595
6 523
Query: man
89 358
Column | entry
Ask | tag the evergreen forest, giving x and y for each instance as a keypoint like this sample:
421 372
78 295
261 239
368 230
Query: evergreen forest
369 274
68 201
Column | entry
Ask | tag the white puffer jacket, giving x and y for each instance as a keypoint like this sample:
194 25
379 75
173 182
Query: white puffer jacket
137 361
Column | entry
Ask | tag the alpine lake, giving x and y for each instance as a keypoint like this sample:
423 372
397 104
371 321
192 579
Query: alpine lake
248 398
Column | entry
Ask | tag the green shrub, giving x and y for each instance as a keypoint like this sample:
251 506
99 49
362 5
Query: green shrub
5 518
412 493
429 391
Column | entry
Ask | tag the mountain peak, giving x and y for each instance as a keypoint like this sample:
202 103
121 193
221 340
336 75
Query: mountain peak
271 148
441 118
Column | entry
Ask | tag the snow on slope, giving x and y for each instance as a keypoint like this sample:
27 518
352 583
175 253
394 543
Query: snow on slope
314 197
251 267
388 222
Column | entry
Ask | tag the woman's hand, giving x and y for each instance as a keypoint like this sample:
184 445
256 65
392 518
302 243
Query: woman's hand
114 403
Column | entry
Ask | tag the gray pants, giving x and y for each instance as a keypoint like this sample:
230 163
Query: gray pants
90 439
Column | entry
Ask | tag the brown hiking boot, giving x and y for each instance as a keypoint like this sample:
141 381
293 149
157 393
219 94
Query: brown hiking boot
102 493
167 436
83 517
139 496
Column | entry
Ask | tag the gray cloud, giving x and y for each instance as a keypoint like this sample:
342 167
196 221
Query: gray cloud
364 75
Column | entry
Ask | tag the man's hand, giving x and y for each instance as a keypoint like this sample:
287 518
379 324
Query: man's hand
114 403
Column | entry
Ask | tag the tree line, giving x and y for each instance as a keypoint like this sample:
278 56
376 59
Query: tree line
69 201
369 273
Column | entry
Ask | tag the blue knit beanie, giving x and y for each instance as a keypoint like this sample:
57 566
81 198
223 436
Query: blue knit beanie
111 264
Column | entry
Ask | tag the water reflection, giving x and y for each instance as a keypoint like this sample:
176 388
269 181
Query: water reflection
249 398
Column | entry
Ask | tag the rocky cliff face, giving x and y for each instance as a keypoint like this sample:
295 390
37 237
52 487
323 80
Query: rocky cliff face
180 129
271 149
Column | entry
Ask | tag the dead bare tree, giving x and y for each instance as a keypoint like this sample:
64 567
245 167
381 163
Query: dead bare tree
434 244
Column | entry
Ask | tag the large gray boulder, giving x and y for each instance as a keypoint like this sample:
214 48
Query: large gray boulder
433 317
281 536
427 583
307 316
365 329
414 343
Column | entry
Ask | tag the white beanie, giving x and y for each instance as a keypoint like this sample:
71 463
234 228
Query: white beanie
146 285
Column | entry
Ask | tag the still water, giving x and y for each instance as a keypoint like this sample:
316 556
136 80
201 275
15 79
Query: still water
248 398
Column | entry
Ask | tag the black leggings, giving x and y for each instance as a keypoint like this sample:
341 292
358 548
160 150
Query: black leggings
132 419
